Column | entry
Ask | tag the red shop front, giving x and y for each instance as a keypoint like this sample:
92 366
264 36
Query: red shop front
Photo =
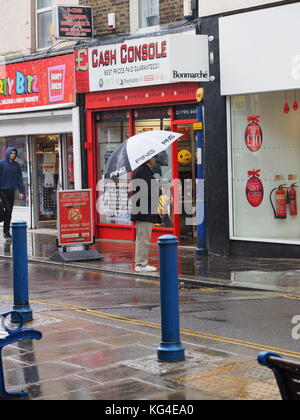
112 117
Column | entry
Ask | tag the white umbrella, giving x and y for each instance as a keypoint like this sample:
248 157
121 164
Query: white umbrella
137 150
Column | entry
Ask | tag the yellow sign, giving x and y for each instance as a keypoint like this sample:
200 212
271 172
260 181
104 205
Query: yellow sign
198 126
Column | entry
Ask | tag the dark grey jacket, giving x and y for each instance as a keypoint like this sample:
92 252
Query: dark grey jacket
145 173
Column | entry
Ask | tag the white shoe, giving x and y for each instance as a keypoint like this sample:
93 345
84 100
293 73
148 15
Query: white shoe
146 268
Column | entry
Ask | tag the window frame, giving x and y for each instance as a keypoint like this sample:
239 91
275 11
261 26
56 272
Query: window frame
134 19
39 12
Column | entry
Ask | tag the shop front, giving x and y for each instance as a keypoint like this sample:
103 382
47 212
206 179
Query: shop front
39 118
263 103
111 127
122 111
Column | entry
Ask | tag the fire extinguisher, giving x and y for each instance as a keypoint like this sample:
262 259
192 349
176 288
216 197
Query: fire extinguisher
292 199
281 202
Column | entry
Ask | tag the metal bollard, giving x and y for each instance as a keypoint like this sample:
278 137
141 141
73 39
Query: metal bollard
20 272
170 349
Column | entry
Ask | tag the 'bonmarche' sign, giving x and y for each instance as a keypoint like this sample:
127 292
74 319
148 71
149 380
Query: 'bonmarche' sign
148 61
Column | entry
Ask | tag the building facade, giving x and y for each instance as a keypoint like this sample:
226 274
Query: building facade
243 164
255 94
128 88
38 108
226 229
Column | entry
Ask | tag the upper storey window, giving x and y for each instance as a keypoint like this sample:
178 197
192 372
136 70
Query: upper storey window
148 13
44 22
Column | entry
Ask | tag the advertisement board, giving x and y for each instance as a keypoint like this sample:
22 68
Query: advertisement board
39 84
75 217
73 22
143 62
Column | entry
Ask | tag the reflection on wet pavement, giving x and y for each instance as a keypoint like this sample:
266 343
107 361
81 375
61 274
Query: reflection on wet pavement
72 362
268 274
88 357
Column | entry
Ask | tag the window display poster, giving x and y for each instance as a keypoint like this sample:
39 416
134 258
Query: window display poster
37 84
262 168
75 217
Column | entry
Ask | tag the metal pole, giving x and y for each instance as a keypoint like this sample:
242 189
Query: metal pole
20 272
170 349
201 227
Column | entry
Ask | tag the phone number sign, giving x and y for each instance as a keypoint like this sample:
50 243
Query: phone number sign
75 217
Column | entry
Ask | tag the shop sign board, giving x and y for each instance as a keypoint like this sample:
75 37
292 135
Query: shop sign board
198 126
259 50
75 217
37 85
143 62
73 22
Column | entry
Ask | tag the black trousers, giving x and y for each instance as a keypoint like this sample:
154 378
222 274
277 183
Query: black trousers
8 200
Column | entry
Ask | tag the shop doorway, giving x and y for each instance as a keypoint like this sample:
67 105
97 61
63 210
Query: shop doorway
187 174
52 170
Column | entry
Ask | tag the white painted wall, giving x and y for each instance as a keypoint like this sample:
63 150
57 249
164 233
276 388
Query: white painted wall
15 24
266 59
213 7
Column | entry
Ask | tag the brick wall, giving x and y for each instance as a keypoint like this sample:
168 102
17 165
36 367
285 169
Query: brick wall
170 11
101 8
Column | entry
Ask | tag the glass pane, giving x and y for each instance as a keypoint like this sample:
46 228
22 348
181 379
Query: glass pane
162 170
187 174
265 164
46 149
20 144
115 198
41 4
44 23
70 163
148 13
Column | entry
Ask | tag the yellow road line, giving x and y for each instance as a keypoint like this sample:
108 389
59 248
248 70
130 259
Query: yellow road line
199 334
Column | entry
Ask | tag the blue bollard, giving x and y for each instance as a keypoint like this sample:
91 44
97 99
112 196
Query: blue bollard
170 349
20 272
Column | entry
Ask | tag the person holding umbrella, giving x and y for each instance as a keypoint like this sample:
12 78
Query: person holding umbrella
138 154
144 212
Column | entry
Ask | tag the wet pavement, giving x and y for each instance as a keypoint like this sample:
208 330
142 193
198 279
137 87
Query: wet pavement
87 353
280 275
93 348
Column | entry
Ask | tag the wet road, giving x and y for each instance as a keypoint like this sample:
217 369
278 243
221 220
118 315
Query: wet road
233 320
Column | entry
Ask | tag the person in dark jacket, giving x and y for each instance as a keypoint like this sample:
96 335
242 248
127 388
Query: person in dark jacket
144 212
10 179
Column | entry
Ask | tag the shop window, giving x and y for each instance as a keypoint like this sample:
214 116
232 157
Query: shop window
113 129
144 121
46 176
68 162
20 144
44 21
265 169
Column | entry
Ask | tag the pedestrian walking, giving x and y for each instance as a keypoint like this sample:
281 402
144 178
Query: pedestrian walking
11 179
144 212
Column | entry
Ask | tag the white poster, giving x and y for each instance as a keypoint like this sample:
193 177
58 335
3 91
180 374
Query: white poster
261 167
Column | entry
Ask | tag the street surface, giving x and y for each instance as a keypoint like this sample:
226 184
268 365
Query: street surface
244 322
